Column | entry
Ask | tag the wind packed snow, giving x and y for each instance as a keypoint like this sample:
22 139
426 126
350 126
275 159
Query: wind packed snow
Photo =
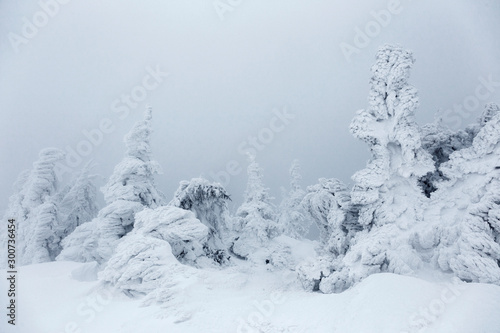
237 300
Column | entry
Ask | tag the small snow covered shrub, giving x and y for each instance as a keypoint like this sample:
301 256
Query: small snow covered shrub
311 272
329 205
286 253
208 201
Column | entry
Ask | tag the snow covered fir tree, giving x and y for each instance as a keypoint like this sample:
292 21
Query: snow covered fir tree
256 219
130 189
292 217
428 200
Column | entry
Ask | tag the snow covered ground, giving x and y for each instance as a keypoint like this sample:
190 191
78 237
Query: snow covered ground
65 297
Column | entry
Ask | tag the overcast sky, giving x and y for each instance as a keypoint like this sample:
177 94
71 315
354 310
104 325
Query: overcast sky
230 69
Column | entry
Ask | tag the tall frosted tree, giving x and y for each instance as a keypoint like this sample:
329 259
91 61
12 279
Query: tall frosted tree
388 127
35 211
292 217
387 194
130 189
255 220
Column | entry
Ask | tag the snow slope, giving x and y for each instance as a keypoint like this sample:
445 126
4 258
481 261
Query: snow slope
65 297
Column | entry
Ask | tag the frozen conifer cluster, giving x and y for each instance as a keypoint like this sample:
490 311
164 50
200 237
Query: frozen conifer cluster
428 199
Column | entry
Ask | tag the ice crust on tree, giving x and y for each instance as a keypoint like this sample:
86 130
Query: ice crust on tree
440 142
389 128
467 238
130 189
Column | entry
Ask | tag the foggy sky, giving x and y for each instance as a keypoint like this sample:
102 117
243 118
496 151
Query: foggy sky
226 79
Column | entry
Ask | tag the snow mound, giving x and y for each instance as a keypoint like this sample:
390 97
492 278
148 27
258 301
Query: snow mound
86 272
146 260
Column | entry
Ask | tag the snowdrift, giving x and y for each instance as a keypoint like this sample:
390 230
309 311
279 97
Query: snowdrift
56 297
